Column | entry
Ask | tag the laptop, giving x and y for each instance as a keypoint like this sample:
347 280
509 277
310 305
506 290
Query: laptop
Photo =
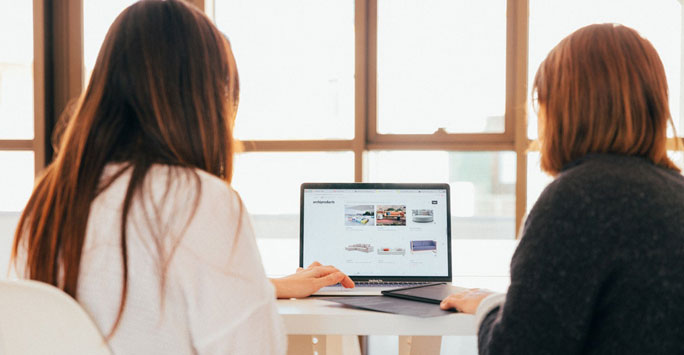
384 236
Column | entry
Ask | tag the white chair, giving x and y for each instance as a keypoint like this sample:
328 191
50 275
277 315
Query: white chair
37 318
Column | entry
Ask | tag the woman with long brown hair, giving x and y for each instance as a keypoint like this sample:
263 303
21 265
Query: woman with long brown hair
135 218
599 266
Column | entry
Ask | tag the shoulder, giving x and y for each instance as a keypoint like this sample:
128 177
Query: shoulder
217 193
610 181
606 196
213 184
207 214
186 178
190 204
186 185
574 205
610 170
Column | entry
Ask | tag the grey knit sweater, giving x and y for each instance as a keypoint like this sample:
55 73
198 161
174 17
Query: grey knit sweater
600 266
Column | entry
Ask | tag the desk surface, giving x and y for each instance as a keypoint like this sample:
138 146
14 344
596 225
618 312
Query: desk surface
476 263
316 316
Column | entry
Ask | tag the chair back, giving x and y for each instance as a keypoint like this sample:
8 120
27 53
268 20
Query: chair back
37 318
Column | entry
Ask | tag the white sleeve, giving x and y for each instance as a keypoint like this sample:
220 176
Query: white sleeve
487 305
230 302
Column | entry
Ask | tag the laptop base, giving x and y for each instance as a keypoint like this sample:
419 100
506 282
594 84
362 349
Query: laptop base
364 289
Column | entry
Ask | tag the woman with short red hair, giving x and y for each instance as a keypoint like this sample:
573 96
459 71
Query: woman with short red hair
599 267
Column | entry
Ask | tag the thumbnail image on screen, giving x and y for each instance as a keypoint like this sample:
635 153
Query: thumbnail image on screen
359 215
391 215
423 216
418 246
362 247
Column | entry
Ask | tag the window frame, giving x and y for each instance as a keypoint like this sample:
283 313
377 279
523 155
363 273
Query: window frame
366 137
58 77
35 145
57 73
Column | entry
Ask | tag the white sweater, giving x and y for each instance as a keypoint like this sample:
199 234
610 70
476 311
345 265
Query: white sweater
216 299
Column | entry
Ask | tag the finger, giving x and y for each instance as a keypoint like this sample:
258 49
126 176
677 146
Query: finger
320 271
314 264
347 282
299 269
452 297
456 296
461 294
331 279
450 302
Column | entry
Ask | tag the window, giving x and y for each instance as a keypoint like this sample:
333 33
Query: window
269 185
659 21
482 185
16 104
98 15
445 62
365 90
16 186
440 89
296 65
349 90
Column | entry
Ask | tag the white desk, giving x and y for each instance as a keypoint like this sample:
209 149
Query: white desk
317 326
324 327
314 316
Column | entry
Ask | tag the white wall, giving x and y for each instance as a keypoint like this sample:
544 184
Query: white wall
8 222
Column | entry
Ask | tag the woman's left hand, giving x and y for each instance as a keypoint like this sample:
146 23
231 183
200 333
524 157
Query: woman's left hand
466 301
307 281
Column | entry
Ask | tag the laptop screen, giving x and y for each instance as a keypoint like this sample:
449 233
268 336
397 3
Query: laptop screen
377 230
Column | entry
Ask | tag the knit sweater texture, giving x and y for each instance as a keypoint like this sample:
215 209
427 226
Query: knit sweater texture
600 266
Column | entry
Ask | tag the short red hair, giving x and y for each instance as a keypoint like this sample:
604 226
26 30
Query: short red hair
602 89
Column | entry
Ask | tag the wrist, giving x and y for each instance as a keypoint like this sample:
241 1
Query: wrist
277 286
283 288
487 305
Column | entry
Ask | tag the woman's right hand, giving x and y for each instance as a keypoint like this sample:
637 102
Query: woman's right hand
305 282
466 301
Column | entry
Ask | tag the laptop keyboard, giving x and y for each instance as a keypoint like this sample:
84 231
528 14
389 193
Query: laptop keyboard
389 283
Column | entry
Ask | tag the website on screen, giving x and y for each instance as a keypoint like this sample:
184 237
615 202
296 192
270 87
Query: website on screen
377 232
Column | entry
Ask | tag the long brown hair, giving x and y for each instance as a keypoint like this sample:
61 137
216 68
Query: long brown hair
164 90
602 89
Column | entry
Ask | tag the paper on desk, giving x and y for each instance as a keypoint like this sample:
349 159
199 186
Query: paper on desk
391 305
